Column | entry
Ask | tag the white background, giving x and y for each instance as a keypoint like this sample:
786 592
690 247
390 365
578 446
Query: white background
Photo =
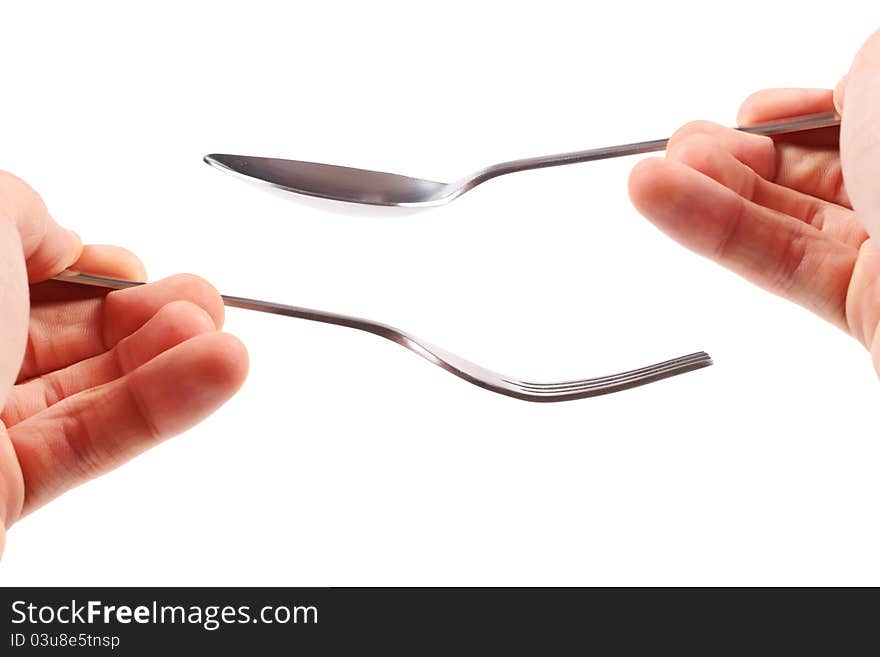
348 460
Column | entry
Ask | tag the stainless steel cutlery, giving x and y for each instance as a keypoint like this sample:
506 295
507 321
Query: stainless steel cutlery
339 183
470 372
378 188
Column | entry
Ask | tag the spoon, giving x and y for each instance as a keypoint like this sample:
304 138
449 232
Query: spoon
379 188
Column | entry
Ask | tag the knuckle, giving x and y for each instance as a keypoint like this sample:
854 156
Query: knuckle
89 456
699 126
193 283
693 128
200 292
184 320
695 150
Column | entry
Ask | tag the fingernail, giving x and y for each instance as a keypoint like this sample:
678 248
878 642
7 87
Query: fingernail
838 95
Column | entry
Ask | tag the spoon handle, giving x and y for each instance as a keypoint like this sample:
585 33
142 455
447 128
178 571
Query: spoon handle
772 128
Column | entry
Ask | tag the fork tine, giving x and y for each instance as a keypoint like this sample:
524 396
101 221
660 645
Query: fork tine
606 385
616 384
598 391
610 379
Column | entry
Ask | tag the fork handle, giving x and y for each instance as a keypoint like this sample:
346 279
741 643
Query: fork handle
107 283
258 305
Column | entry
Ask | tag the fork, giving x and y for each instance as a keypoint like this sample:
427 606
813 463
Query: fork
470 372
379 188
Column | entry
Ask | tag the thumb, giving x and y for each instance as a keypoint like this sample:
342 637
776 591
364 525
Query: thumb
47 248
860 134
32 248
839 92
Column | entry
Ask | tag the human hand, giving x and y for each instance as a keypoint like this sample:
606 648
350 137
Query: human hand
88 379
777 211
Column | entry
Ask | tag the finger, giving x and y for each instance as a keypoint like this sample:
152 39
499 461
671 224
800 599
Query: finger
755 151
98 259
705 152
14 304
11 483
97 430
63 333
175 323
127 310
112 261
863 300
808 161
774 104
47 247
812 170
777 252
783 103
